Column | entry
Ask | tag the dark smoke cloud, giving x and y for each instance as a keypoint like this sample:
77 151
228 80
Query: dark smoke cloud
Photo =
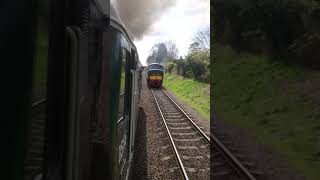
139 15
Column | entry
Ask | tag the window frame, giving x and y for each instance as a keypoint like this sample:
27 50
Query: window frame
125 58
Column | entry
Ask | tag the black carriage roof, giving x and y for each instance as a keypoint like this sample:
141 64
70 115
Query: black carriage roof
116 21
109 10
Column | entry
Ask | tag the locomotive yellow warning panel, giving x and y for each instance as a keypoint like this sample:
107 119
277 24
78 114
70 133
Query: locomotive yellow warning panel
155 77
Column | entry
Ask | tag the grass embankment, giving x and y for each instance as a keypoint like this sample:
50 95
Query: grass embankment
276 103
194 93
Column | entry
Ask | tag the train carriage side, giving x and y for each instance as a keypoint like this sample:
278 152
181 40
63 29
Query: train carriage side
85 125
127 112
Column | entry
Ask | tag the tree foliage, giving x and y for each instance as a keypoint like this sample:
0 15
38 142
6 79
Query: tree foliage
172 50
162 52
202 37
158 53
196 65
289 29
170 66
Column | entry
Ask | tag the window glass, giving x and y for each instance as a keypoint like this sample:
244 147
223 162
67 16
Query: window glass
35 143
41 53
155 66
122 95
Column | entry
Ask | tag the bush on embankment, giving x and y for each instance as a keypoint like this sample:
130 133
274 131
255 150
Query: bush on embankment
289 29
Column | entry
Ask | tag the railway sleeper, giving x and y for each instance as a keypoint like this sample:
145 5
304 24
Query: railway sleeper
184 134
171 113
178 124
220 162
181 128
188 140
221 174
190 144
188 147
176 120
166 158
248 164
216 154
185 157
256 172
192 138
167 107
241 156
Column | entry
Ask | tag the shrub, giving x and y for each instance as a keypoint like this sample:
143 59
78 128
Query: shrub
170 66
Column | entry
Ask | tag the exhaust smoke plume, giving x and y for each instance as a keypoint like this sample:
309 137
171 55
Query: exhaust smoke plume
139 15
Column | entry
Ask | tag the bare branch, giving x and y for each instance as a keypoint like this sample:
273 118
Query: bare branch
203 38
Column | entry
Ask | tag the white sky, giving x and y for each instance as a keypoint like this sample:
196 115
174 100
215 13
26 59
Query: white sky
179 23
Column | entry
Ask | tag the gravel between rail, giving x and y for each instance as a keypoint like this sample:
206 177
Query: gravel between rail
192 147
153 157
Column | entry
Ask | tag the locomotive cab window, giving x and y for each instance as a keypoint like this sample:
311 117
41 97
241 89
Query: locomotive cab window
155 66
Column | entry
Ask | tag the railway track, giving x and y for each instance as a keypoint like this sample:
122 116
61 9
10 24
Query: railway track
228 161
190 144
226 165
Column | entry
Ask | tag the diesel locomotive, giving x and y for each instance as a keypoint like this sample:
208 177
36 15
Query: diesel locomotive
75 80
155 74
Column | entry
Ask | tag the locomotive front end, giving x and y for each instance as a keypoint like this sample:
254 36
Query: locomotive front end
155 75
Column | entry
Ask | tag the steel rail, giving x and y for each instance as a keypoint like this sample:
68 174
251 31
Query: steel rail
233 159
171 140
244 171
185 114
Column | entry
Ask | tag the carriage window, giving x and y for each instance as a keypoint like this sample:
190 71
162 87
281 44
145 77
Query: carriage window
41 54
35 143
124 57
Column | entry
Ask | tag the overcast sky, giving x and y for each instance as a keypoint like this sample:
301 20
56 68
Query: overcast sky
178 23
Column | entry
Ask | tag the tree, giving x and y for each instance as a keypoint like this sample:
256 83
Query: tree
194 48
172 50
202 37
158 53
197 64
150 59
170 66
162 52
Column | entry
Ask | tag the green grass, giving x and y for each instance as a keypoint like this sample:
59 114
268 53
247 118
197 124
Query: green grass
194 93
267 99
